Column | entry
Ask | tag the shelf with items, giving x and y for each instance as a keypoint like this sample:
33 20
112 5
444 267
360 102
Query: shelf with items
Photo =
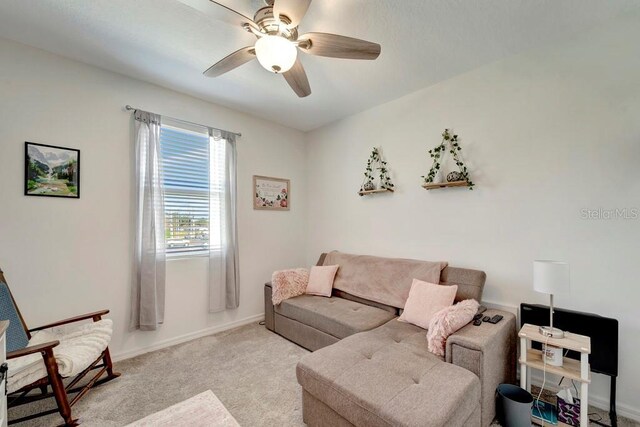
576 370
436 185
575 342
570 367
379 190
460 178
377 163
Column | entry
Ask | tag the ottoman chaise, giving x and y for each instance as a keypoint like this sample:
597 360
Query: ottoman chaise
386 377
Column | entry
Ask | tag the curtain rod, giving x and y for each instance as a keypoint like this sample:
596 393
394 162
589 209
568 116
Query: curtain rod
130 108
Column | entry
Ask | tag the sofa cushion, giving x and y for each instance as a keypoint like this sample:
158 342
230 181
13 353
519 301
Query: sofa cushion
470 282
383 280
321 280
388 377
342 294
334 316
425 300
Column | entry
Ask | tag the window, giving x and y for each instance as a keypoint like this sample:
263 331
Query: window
193 168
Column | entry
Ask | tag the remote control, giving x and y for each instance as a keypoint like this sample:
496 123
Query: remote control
477 316
495 319
486 318
477 322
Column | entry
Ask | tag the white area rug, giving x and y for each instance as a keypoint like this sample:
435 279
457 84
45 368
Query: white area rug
202 410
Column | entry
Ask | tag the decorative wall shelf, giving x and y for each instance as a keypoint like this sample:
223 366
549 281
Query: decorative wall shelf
380 190
449 145
435 185
378 164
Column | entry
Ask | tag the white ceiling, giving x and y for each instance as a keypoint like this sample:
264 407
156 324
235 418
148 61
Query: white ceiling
423 42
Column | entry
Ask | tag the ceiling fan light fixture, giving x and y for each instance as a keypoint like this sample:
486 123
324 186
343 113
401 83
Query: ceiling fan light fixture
276 53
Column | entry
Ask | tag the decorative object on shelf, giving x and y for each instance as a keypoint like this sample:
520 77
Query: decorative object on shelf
51 171
376 162
271 193
459 178
454 176
551 277
569 408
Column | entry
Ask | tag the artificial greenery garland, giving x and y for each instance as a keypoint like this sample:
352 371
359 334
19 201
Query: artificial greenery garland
385 180
454 148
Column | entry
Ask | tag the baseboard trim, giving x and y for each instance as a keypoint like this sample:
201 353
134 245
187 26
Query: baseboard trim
621 409
187 337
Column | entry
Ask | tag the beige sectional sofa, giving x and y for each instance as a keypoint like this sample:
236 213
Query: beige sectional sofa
368 369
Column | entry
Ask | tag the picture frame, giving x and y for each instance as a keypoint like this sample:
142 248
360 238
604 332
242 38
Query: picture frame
271 194
51 171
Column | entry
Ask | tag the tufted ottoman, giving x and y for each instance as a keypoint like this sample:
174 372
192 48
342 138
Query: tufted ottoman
386 377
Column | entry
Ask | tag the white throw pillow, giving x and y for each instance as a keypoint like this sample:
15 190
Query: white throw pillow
425 300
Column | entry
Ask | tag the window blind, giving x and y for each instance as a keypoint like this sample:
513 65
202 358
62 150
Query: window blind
193 175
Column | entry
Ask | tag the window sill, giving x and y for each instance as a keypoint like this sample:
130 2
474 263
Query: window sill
182 257
186 256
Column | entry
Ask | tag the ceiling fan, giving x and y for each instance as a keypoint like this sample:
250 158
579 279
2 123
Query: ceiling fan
276 27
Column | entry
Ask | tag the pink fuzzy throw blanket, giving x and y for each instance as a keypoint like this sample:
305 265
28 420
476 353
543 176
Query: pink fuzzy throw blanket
288 284
447 321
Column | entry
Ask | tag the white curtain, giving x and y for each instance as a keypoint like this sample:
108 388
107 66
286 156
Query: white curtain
224 283
147 310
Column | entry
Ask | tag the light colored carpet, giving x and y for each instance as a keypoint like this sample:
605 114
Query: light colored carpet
250 369
202 410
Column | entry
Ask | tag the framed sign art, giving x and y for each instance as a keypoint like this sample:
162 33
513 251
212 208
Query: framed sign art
271 193
51 171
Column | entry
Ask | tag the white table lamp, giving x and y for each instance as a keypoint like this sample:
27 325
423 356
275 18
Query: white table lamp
551 277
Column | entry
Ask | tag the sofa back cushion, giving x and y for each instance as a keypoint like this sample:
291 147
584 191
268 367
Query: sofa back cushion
383 280
470 282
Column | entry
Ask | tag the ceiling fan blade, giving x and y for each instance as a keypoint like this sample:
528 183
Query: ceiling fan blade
292 9
236 59
297 79
220 12
335 46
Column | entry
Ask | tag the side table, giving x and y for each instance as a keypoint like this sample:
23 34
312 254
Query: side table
531 358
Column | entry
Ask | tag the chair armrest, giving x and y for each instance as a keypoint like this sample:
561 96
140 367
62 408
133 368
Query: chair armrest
269 314
489 351
96 315
40 348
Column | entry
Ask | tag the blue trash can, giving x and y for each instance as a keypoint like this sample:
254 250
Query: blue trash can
513 406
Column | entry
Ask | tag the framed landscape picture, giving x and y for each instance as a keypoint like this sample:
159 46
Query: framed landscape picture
271 193
51 171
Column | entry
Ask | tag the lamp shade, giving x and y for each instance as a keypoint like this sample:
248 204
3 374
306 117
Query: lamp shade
276 54
551 277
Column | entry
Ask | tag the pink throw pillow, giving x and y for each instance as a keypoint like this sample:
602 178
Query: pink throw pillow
288 284
447 321
321 280
425 300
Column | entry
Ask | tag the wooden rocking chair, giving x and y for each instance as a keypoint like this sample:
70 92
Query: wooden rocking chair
19 331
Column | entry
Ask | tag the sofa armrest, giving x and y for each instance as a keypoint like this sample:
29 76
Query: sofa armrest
269 320
489 351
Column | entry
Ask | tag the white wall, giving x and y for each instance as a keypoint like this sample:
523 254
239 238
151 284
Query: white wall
66 257
545 134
